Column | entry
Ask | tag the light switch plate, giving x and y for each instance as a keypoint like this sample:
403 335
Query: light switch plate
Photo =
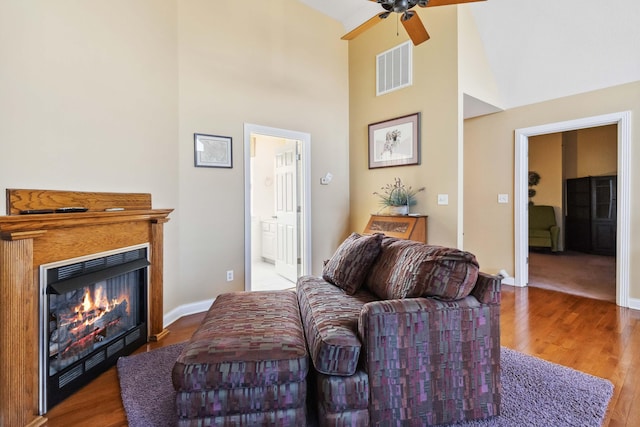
325 180
503 198
443 199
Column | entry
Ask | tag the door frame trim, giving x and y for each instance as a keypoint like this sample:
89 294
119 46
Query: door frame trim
521 201
305 185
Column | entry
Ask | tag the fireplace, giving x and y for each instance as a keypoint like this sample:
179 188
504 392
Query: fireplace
93 310
112 221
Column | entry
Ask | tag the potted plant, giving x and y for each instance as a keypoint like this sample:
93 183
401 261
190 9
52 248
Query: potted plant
397 197
534 179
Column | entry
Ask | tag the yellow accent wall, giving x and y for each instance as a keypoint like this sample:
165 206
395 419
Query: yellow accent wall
591 152
434 94
545 157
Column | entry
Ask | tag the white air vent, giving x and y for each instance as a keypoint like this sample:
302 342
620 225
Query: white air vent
394 69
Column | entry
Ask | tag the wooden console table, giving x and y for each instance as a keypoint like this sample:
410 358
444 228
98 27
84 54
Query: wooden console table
403 226
30 240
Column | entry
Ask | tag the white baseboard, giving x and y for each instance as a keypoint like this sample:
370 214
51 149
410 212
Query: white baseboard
510 281
634 303
185 310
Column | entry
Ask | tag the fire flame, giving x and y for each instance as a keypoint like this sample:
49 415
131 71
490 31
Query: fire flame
86 303
100 303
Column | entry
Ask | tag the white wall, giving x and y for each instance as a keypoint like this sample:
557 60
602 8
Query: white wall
270 70
264 206
88 101
106 96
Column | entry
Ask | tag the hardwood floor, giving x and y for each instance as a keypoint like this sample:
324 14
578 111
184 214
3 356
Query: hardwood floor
592 336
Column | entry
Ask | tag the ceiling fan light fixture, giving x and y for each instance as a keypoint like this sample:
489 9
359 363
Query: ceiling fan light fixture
410 19
400 6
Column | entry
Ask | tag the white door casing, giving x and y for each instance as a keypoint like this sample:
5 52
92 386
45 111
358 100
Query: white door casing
521 219
304 191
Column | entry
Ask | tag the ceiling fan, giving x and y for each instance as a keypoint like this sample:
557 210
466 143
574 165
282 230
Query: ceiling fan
409 18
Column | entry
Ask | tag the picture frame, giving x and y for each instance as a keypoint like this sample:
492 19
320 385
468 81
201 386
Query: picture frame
395 142
212 151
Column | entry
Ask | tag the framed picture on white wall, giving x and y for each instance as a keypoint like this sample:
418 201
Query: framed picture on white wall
212 151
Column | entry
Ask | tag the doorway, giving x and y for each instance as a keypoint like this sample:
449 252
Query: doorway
623 122
277 220
569 175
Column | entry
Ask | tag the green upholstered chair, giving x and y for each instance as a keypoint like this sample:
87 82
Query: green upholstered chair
543 230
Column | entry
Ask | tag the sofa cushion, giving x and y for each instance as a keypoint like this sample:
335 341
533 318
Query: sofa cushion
349 265
338 394
408 269
330 321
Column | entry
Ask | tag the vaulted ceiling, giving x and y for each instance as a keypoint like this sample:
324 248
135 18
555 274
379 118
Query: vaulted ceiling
539 50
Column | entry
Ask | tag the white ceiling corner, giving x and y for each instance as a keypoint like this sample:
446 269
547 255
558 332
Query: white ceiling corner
350 13
474 107
543 49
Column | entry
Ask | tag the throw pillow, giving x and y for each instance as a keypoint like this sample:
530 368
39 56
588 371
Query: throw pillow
435 271
408 269
349 265
381 279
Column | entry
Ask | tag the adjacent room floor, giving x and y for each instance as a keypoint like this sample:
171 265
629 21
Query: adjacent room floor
265 278
576 273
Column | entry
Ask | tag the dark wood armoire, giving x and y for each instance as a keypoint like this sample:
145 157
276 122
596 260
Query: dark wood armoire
591 220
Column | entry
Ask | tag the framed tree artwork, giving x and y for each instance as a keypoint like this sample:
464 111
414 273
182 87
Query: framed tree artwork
395 142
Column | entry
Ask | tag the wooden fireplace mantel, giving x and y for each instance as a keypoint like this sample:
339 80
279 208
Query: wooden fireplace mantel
30 240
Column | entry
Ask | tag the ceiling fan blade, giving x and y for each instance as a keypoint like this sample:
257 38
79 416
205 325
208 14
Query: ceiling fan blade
433 3
362 28
415 29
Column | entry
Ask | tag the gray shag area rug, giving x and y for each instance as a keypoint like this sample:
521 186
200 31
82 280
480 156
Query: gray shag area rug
534 392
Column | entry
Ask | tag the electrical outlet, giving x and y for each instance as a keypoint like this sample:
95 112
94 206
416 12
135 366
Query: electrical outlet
229 275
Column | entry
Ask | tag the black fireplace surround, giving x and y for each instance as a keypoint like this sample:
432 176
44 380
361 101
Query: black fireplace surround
92 312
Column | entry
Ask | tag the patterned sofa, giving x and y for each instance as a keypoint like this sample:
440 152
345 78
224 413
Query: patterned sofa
401 333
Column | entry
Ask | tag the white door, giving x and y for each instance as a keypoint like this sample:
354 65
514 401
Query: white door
287 210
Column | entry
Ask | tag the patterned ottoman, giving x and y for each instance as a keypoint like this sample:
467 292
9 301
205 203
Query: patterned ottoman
246 364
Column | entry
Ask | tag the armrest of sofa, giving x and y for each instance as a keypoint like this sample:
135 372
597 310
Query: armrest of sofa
405 323
487 289
417 350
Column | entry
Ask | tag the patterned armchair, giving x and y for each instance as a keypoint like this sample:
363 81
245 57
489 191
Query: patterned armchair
416 342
